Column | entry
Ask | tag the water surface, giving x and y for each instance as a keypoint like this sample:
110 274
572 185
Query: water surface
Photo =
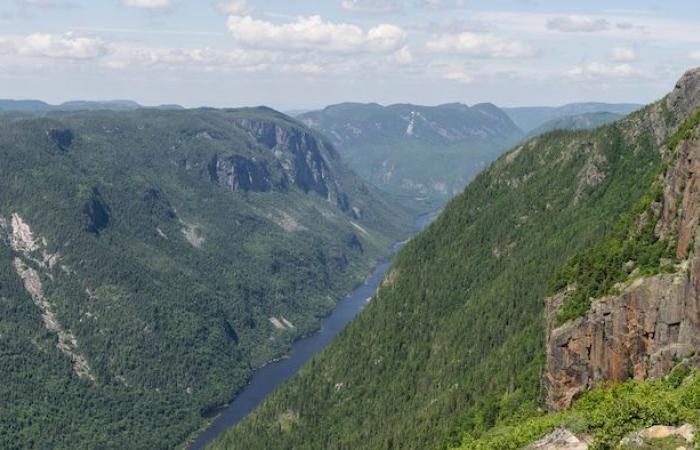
268 377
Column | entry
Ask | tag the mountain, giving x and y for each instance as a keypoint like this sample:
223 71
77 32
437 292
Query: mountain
580 122
529 118
454 349
36 106
422 153
23 105
151 260
112 105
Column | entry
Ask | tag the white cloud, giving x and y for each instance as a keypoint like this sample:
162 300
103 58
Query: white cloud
371 6
695 55
481 45
443 4
147 4
69 46
577 24
402 56
195 58
458 76
313 33
623 54
601 70
234 7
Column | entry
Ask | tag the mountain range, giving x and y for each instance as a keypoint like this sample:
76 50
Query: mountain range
426 154
151 260
528 118
155 257
37 106
569 264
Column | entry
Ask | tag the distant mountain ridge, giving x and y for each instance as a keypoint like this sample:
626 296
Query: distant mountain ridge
584 121
427 153
38 106
528 118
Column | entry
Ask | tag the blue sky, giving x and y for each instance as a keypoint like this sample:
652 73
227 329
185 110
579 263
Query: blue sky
310 53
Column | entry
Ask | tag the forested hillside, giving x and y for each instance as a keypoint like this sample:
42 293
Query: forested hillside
453 342
150 260
425 154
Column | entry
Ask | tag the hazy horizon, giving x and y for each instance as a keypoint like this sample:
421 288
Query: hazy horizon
310 54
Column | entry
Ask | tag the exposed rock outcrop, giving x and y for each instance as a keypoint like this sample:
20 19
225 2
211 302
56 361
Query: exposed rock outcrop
639 334
32 251
241 174
560 439
685 432
655 321
299 153
685 97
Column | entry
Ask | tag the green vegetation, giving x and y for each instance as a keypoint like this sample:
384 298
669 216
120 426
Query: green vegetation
168 267
607 414
453 341
424 154
632 249
685 131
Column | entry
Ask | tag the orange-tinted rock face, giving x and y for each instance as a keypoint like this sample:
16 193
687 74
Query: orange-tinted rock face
655 322
639 334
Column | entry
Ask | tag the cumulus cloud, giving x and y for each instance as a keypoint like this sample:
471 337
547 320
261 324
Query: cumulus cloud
577 24
480 45
206 59
147 4
68 46
371 6
313 33
234 7
623 54
601 70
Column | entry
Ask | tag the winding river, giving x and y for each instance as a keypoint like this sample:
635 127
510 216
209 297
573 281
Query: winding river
268 377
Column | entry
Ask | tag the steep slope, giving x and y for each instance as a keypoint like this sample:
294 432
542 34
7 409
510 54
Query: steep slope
150 260
453 342
643 316
425 153
530 117
579 122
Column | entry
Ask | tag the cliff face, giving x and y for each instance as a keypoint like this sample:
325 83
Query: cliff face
654 323
299 154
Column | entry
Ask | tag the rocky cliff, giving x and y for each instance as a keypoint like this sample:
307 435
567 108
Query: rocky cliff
651 323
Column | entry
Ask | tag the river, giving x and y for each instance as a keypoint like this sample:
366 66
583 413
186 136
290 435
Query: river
268 377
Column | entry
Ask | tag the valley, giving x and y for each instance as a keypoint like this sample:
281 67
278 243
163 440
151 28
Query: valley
451 350
349 225
153 259
425 155
273 374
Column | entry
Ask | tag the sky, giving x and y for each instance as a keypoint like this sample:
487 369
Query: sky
307 54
